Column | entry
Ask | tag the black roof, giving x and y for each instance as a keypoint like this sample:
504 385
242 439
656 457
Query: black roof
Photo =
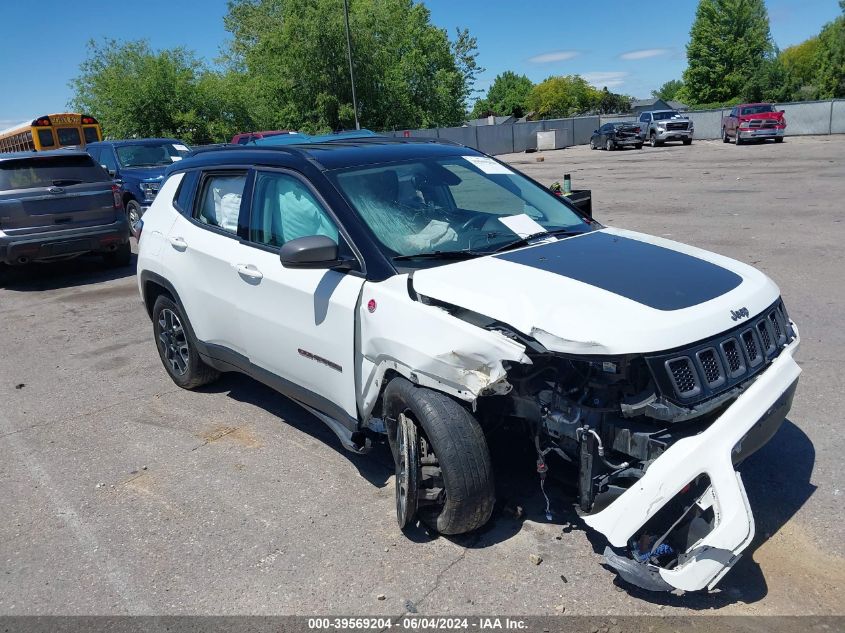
138 141
326 155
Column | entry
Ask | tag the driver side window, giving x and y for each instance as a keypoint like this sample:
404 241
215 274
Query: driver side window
284 209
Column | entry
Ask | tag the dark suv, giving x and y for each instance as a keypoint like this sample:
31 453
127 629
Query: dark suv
57 205
138 165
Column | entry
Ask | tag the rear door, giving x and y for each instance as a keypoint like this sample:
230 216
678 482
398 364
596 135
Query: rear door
201 247
45 193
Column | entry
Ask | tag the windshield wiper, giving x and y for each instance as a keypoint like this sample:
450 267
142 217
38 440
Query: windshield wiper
524 241
438 255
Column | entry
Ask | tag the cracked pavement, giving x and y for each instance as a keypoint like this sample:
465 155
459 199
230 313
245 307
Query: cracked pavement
126 495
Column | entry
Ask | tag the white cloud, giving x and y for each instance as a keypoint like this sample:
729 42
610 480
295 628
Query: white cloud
611 79
556 56
645 53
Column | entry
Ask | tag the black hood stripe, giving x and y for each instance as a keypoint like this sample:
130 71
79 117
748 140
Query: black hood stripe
652 275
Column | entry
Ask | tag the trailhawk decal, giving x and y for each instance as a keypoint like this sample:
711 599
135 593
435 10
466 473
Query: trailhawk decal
646 273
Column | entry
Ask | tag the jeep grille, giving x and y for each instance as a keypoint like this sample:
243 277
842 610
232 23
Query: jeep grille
710 367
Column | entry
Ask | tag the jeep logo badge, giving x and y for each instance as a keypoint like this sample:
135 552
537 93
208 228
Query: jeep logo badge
742 313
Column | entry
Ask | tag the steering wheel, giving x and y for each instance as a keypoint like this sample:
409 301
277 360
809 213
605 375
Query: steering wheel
476 222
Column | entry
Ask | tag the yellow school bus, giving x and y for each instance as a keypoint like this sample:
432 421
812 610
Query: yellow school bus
51 131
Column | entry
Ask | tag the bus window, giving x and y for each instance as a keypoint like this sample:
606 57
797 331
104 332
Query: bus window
68 136
45 138
91 135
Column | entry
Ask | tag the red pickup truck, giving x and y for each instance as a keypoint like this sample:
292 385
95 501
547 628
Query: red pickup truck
753 120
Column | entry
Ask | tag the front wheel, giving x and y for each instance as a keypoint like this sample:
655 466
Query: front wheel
652 140
687 141
639 145
593 144
609 145
454 492
133 214
778 139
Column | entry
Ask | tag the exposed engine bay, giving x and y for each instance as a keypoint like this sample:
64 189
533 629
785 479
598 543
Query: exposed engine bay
612 418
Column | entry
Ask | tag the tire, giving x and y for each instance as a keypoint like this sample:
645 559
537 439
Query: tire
133 214
608 145
639 145
456 487
687 141
778 139
593 144
177 346
119 258
652 140
737 140
725 138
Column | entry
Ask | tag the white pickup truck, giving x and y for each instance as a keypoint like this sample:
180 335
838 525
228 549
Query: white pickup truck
660 126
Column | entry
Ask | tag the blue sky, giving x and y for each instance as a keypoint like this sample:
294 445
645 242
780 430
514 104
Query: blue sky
539 38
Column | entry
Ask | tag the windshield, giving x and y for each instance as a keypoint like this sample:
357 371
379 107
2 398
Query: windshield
151 155
662 116
758 109
454 204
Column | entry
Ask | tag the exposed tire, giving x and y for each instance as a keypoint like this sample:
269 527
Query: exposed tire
119 258
687 141
177 347
778 139
608 145
593 144
133 214
737 140
456 485
652 140
725 138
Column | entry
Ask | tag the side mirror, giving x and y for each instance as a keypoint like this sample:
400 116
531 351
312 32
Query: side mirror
595 131
313 251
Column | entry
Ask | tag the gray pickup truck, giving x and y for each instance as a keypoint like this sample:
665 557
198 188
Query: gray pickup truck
660 126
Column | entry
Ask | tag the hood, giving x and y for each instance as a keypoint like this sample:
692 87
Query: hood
605 292
143 173
760 115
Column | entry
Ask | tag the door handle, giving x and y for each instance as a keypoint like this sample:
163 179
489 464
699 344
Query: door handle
178 243
249 271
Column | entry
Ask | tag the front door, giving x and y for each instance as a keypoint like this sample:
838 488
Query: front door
299 324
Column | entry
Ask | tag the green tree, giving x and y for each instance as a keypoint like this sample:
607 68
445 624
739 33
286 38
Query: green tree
293 54
799 63
136 92
612 103
506 96
829 59
562 96
668 91
729 42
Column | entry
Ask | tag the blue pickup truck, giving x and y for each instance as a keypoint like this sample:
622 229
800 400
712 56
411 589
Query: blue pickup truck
137 166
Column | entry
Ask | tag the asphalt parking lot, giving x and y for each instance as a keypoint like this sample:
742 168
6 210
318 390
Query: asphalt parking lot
127 495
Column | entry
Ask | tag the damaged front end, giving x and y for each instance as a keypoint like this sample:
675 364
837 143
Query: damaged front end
656 439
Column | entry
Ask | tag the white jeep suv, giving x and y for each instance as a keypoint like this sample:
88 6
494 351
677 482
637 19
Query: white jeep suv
428 292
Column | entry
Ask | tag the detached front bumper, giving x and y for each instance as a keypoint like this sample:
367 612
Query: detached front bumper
745 426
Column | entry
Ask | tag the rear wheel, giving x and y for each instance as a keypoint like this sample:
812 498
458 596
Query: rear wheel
639 145
454 491
120 257
725 138
778 139
608 145
177 346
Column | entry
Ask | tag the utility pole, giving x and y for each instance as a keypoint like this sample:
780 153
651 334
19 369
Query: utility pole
349 54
